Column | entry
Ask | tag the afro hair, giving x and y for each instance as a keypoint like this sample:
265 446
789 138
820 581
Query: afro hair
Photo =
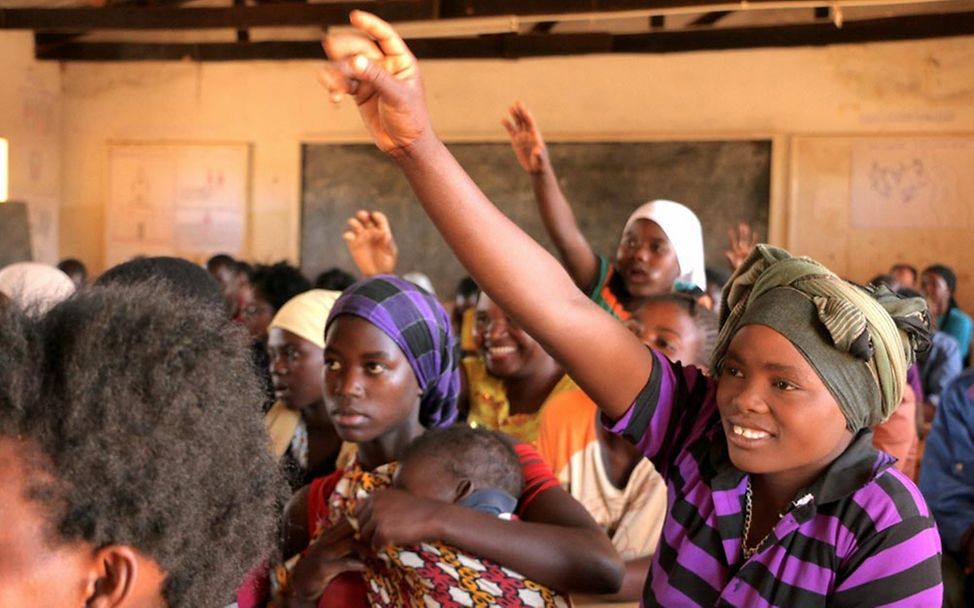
278 283
145 409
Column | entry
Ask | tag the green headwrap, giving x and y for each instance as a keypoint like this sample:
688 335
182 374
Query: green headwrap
860 341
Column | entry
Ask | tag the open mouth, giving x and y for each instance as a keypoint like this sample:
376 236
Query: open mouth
747 437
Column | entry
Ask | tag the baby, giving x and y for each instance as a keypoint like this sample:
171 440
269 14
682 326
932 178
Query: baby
474 468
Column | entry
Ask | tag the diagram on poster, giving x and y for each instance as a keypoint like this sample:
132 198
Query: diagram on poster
912 183
188 200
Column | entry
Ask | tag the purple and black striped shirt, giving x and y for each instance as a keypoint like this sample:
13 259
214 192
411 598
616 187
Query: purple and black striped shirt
864 538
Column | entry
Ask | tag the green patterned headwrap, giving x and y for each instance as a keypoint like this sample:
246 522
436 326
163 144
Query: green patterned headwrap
860 341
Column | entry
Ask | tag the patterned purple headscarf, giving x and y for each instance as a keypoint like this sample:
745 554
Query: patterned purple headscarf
417 323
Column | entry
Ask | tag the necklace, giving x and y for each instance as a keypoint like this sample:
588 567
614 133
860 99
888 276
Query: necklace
750 551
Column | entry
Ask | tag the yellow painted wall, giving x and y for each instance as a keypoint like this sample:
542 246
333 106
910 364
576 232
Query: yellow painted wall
923 87
30 113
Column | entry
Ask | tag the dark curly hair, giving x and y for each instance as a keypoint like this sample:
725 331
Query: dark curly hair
145 411
483 456
278 283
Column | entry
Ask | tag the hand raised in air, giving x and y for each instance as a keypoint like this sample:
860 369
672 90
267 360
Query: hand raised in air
379 72
370 243
526 139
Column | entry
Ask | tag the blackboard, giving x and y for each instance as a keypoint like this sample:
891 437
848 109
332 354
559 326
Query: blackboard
722 181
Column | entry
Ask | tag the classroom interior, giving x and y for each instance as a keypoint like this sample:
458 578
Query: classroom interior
814 103
851 142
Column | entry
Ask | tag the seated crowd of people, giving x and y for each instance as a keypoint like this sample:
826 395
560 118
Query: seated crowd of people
652 430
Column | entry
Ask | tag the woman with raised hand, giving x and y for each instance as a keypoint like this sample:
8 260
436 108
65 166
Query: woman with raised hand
775 494
661 244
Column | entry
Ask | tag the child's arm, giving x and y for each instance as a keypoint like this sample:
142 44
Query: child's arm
607 361
556 213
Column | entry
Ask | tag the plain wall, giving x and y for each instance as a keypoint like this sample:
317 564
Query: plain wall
30 115
912 88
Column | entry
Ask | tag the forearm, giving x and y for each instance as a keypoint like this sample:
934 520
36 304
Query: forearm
559 220
568 559
632 584
518 274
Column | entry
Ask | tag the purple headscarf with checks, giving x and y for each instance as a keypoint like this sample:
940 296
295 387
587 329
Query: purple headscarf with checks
420 327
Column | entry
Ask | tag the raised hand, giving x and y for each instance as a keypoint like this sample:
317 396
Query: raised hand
741 241
525 138
370 243
380 73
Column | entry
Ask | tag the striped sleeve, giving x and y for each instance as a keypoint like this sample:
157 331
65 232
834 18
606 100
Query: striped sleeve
673 409
898 566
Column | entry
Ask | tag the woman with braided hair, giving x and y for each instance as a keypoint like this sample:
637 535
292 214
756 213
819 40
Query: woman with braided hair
776 496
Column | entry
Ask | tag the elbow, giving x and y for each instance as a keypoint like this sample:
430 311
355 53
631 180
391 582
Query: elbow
603 571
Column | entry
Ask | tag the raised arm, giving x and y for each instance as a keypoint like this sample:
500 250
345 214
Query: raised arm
528 283
556 213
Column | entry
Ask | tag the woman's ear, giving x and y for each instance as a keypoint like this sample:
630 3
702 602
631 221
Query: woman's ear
464 488
114 577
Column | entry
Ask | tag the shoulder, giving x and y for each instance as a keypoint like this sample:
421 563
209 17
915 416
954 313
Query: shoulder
890 501
959 318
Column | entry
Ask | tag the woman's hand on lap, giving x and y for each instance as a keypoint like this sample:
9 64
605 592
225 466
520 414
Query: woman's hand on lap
381 74
327 557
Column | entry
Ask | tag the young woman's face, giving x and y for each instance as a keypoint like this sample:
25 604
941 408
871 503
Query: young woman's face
646 259
296 366
508 350
255 312
669 328
936 291
778 416
370 388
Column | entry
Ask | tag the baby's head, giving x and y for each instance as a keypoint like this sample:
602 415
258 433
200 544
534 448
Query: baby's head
449 464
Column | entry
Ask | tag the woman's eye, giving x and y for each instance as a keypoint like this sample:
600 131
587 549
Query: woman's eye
732 371
332 365
784 385
375 368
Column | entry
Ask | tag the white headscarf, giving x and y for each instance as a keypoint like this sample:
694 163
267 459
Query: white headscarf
682 228
35 286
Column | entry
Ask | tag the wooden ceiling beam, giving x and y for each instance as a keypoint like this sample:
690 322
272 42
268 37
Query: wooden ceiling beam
709 18
160 15
236 17
513 46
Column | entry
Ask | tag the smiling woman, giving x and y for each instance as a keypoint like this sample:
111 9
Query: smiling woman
849 531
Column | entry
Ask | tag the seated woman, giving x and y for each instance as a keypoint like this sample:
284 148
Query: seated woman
301 432
776 496
390 374
132 464
509 378
939 283
661 243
